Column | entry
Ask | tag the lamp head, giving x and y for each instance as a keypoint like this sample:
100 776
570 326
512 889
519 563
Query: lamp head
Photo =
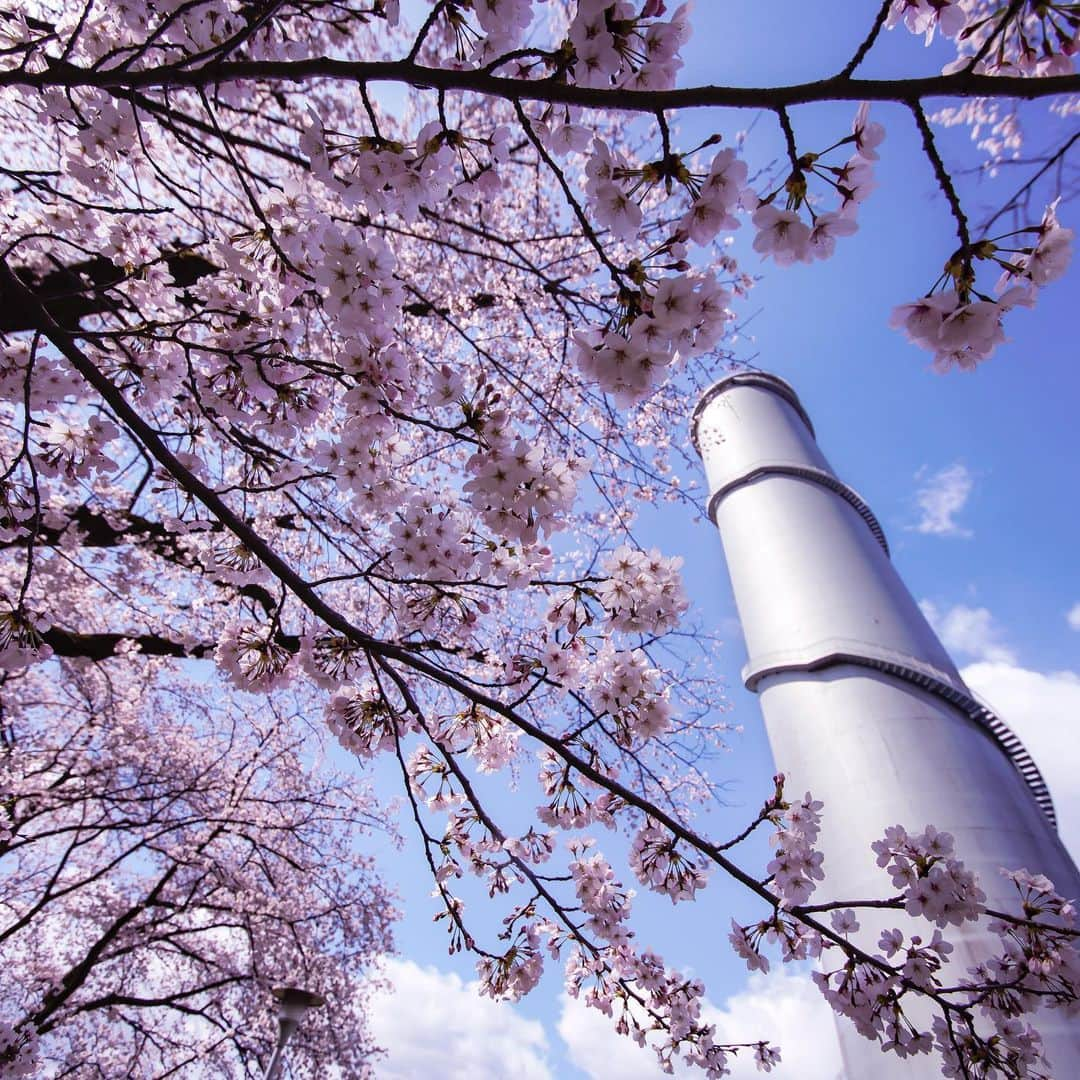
294 1003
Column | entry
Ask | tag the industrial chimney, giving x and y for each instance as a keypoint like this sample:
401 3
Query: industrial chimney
862 704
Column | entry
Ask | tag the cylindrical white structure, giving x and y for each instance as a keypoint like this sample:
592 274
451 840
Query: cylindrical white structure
862 704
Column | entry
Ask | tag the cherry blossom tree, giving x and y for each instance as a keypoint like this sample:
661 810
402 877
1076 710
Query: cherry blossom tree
353 392
163 866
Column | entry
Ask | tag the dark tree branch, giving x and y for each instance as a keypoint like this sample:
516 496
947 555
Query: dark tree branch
944 180
96 647
835 88
96 529
72 645
70 293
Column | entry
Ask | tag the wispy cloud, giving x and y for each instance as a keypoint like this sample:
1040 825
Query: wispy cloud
942 496
969 631
1073 617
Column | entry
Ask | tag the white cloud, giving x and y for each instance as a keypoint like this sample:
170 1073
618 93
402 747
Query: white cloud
593 1045
434 1024
783 1008
941 498
1043 708
789 1010
1044 711
970 631
1073 617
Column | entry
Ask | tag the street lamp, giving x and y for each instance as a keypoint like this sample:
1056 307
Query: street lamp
293 1004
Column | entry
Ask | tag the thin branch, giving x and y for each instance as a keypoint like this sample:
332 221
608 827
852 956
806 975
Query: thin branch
1013 202
789 136
868 41
944 181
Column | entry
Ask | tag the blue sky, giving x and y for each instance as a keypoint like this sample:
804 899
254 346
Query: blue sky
1002 442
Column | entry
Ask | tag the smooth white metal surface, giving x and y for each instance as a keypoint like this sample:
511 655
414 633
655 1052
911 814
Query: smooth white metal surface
862 704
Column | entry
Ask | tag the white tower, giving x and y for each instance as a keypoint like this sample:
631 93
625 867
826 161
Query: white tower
862 704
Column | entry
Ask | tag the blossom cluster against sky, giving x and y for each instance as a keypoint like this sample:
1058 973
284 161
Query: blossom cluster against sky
971 475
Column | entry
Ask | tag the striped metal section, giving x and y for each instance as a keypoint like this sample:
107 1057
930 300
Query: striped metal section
909 670
816 476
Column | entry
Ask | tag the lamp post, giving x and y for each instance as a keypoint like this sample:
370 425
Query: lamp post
293 1005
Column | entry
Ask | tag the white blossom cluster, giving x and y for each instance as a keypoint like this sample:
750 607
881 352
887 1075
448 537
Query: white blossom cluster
686 316
796 867
963 327
658 863
642 591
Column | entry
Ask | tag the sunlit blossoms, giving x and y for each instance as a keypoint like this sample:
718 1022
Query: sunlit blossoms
927 18
627 688
716 198
623 44
512 975
520 494
658 863
934 884
430 541
364 723
800 231
602 897
1040 953
962 326
684 317
642 591
1031 37
77 450
254 659
796 866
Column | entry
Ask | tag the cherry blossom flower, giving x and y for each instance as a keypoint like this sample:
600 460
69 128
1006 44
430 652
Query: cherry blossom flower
868 134
642 590
781 234
617 211
827 228
926 16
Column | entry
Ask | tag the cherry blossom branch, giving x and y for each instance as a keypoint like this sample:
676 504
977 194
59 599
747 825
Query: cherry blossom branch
998 32
307 595
538 882
1013 202
451 908
835 88
1034 924
571 199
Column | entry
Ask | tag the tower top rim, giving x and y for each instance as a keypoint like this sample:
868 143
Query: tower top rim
766 380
